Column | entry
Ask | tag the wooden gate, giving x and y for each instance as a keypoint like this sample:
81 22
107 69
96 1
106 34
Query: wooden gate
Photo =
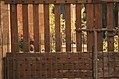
93 63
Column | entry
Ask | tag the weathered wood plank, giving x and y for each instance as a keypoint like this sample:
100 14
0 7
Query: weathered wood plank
14 28
78 25
118 27
110 25
90 24
46 28
25 28
71 72
57 27
68 26
14 35
36 28
98 25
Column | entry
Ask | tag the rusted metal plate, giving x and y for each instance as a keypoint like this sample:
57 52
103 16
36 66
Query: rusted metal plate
46 1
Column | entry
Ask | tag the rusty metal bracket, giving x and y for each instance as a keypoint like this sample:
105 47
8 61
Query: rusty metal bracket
114 31
13 5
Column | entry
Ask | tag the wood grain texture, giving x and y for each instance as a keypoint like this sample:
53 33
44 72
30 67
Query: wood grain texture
36 28
14 29
98 25
46 28
78 25
110 25
90 25
68 26
118 26
25 28
110 39
53 66
57 27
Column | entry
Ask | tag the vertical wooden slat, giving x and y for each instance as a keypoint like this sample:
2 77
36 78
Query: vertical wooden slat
46 28
14 28
90 35
25 27
14 36
98 25
78 25
118 27
36 28
90 24
57 27
68 27
110 25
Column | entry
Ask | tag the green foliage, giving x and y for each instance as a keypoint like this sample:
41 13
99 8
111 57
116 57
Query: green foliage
105 45
62 25
21 42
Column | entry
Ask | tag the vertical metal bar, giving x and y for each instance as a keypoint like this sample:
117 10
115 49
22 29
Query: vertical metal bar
95 55
103 63
40 66
8 66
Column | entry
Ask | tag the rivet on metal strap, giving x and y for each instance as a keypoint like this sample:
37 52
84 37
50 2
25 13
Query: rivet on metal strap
54 0
74 63
20 64
21 75
44 1
63 63
22 1
85 75
25 69
79 57
31 64
76 0
52 63
33 1
58 58
36 69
